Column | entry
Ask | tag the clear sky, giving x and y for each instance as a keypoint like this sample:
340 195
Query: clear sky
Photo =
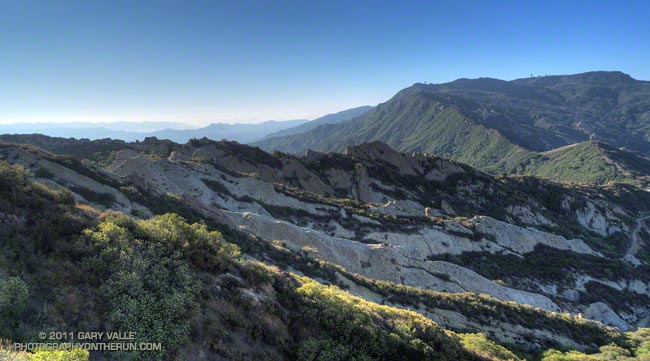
248 61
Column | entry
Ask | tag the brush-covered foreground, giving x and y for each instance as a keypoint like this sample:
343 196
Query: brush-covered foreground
66 266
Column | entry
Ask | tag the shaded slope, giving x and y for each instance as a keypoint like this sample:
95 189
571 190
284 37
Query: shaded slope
327 119
415 120
551 110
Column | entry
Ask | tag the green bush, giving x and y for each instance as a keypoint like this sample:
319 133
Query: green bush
480 345
146 274
315 349
105 199
12 176
205 249
8 353
14 295
72 355
637 348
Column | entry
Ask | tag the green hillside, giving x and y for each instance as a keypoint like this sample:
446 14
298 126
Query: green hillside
543 113
593 162
512 127
338 117
415 120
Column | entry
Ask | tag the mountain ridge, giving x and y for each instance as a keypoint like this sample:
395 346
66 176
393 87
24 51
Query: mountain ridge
119 130
178 132
326 119
504 126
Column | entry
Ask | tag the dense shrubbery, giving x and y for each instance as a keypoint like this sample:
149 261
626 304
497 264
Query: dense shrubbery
8 353
14 295
105 199
479 344
546 264
350 328
12 176
205 249
638 348
146 273
384 222
35 216
622 301
485 309
140 276
145 288
120 274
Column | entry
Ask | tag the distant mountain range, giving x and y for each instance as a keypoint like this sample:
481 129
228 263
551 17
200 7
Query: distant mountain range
243 133
506 126
179 132
591 127
40 127
132 131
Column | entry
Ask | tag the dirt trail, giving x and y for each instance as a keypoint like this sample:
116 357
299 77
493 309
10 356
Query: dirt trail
635 245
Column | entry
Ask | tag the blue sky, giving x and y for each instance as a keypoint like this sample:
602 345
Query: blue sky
247 61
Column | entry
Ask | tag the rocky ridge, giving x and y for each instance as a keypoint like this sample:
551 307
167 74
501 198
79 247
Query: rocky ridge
384 215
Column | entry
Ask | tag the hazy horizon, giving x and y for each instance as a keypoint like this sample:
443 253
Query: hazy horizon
156 124
180 125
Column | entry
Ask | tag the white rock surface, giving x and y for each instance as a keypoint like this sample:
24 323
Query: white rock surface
67 177
525 215
599 311
594 220
523 240
397 264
